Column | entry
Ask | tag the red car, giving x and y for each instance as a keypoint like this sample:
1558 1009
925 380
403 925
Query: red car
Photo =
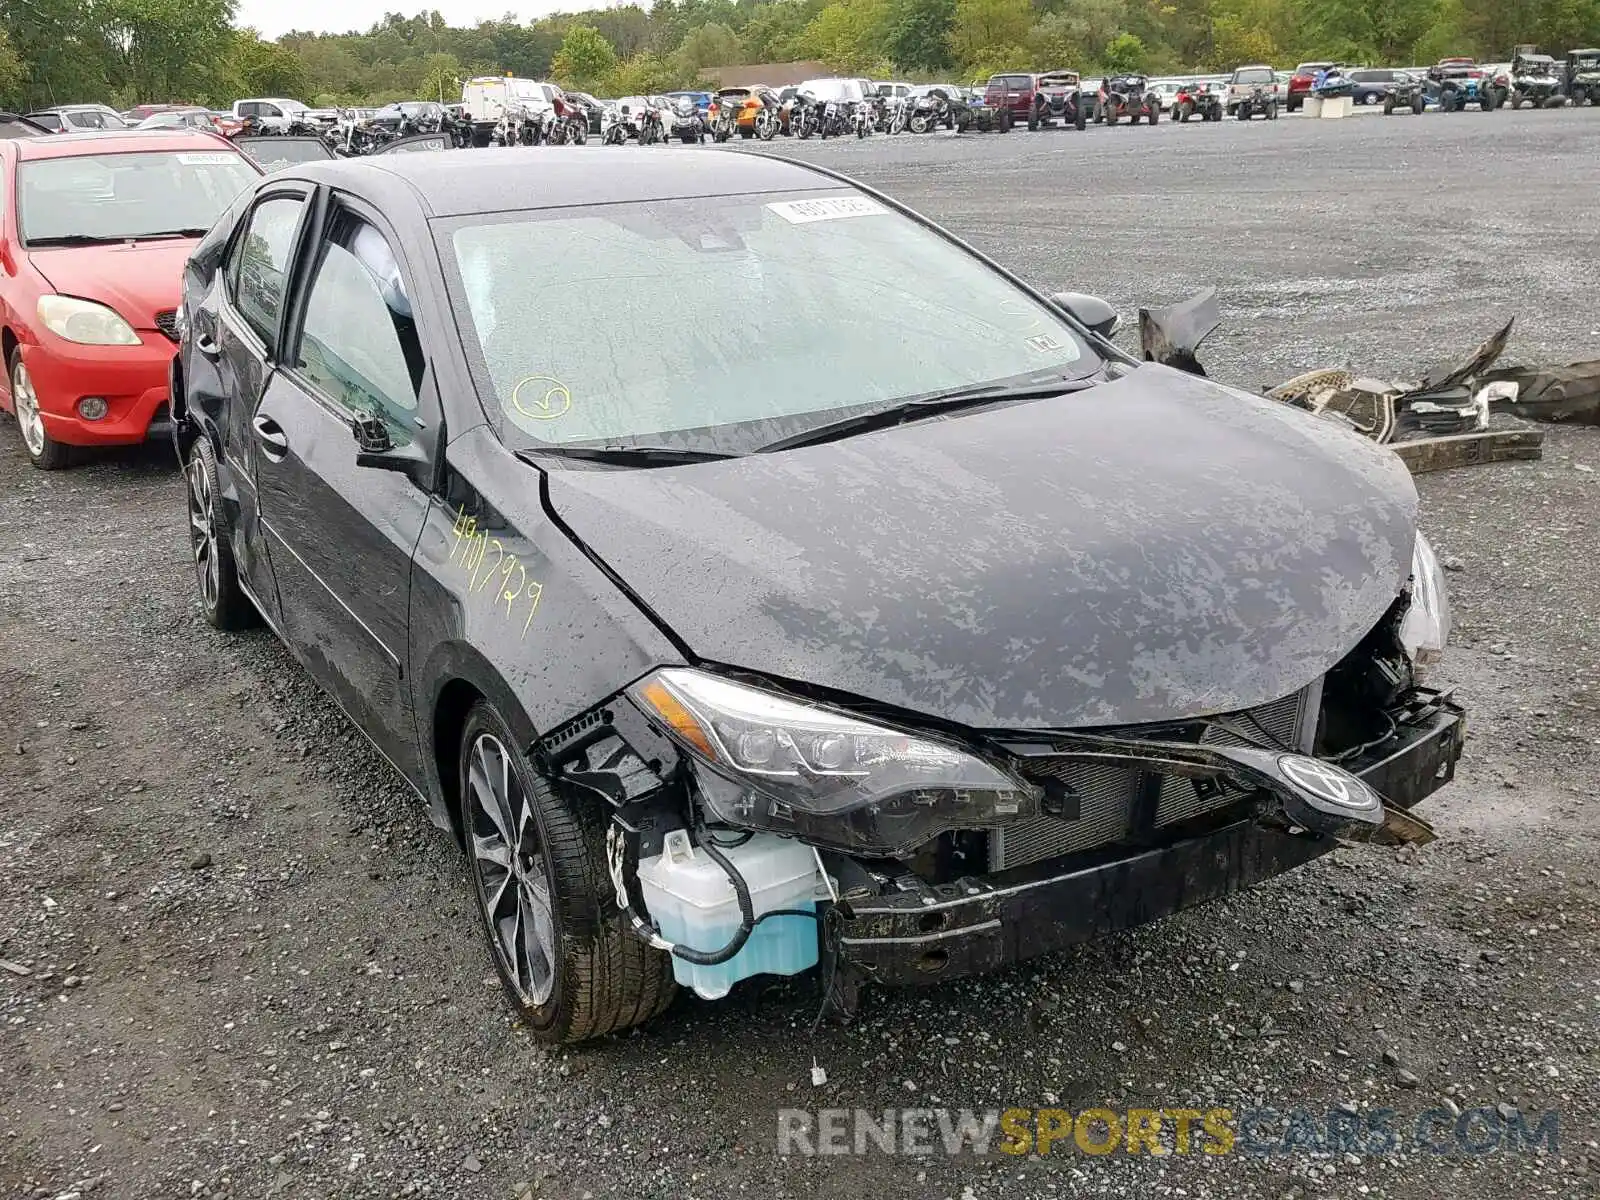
1300 82
94 233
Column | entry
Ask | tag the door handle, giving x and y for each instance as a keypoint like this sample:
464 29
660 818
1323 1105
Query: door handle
273 442
207 345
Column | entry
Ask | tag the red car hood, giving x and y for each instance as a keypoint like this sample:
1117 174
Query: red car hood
138 280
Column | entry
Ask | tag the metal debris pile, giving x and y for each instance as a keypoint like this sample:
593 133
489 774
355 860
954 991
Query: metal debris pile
1456 414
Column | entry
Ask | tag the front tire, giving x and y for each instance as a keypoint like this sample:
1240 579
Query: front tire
222 600
44 452
571 966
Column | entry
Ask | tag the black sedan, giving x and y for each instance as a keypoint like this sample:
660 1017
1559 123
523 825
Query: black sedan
903 626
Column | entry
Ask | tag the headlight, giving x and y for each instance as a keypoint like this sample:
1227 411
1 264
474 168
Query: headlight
764 761
85 322
1426 627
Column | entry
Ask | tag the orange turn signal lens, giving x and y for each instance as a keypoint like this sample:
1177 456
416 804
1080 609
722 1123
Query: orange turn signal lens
678 718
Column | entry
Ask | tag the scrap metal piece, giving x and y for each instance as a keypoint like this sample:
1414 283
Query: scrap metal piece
1301 390
1423 455
1401 828
1443 377
1557 394
1173 334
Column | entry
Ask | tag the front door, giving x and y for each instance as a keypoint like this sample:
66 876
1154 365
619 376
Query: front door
342 534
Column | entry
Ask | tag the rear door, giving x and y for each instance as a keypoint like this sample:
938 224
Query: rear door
342 533
241 336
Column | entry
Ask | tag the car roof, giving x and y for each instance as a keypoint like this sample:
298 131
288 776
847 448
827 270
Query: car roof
463 182
120 141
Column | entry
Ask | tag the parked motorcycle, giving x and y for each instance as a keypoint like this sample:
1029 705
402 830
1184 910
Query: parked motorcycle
567 123
613 127
805 115
688 126
648 126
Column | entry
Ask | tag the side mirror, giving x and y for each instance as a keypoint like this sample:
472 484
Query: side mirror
375 450
1092 311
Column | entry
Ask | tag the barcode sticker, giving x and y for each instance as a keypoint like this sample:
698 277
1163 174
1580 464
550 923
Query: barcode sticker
210 158
798 212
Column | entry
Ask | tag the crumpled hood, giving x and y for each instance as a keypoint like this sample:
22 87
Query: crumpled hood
137 280
1153 548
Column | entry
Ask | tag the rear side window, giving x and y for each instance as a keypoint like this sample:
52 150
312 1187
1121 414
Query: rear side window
48 120
260 264
1260 75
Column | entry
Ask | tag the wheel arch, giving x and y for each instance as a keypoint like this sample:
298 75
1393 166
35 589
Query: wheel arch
458 678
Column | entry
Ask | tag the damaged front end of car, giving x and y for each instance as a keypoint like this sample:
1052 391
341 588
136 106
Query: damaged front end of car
758 828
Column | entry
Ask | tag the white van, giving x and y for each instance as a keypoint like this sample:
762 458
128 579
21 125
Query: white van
485 97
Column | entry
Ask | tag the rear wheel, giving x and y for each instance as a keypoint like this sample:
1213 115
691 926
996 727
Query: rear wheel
1033 118
569 964
1155 113
44 452
221 598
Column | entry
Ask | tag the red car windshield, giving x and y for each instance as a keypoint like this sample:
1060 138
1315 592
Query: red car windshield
117 197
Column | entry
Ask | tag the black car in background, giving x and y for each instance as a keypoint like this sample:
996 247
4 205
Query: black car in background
739 647
1373 85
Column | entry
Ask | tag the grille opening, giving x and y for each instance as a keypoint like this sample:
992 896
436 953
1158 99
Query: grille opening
1110 796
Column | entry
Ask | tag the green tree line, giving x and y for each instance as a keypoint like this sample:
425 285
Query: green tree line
128 51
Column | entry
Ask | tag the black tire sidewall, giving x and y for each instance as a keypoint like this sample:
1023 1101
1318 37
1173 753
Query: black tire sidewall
55 455
233 610
483 719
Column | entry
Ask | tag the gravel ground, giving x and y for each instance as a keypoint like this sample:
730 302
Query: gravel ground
254 967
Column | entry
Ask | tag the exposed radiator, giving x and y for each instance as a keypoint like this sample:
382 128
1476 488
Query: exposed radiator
1107 794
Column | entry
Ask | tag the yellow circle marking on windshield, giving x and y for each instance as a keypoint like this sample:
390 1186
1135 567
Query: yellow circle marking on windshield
555 402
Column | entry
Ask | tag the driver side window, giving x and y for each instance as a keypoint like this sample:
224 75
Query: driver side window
358 344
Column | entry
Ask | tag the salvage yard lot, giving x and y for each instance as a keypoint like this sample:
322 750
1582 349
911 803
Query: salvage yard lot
255 968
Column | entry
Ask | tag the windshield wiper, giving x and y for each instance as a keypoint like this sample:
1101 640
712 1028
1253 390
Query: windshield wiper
101 239
626 456
168 233
73 239
932 405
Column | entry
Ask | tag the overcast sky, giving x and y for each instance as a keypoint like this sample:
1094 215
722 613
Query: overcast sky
275 17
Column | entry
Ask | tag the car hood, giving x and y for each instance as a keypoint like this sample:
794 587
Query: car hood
1153 548
138 279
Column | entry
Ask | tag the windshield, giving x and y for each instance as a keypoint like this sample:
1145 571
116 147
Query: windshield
137 194
732 324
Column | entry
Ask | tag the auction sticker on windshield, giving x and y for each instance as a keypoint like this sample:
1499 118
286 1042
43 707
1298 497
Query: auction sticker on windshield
798 212
210 158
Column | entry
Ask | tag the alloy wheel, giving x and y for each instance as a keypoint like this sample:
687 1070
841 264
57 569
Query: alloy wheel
26 401
510 869
203 533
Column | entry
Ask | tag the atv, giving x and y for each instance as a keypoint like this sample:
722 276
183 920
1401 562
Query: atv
1583 76
1534 81
1459 84
1405 95
1128 96
1196 100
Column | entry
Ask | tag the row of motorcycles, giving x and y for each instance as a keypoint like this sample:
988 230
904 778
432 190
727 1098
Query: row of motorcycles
763 115
352 135
562 123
